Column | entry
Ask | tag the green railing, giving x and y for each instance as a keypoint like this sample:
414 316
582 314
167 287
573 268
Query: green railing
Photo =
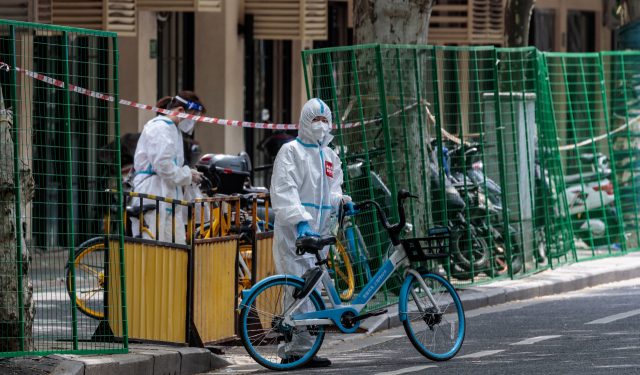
524 132
60 151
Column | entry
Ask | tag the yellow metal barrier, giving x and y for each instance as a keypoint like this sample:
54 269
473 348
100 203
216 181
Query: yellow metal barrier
157 286
215 288
215 271
263 263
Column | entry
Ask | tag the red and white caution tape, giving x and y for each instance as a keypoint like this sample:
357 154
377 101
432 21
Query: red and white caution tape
212 120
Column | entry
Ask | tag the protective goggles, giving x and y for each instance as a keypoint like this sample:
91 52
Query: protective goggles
190 105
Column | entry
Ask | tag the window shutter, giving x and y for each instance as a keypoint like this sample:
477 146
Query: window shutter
180 5
25 10
467 22
288 19
109 15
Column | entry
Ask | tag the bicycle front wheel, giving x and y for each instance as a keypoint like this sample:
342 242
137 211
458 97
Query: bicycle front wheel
265 336
438 335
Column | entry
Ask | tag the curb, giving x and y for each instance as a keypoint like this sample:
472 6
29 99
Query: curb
565 279
140 360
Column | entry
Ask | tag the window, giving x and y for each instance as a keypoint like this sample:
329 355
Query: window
175 53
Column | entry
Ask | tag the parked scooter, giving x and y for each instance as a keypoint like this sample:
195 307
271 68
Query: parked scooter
485 207
467 245
591 200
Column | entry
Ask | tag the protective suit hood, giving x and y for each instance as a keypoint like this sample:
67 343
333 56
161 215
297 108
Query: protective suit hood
314 107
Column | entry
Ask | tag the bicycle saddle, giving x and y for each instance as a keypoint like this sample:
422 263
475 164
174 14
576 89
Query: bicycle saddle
313 244
134 211
254 189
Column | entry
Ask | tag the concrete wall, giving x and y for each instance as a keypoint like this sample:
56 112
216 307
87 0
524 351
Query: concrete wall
137 74
219 77
298 87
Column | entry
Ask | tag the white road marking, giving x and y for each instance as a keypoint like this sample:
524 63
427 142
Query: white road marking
533 340
405 370
481 354
613 318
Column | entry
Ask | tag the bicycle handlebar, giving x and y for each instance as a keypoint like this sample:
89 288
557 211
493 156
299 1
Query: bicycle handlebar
393 229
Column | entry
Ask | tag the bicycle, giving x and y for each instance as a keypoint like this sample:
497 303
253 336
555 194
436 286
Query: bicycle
272 314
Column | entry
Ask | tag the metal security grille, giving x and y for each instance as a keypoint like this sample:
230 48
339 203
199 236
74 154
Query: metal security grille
59 226
528 157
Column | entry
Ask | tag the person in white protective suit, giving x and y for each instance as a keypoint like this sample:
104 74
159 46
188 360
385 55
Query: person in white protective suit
305 191
159 163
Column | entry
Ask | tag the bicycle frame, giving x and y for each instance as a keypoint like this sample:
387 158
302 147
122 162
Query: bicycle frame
333 316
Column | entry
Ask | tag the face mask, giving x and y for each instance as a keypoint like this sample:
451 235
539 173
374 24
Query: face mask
317 130
187 126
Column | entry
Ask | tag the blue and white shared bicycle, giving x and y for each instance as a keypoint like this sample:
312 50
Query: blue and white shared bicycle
283 318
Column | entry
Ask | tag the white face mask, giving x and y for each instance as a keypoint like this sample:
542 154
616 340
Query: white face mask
187 125
317 130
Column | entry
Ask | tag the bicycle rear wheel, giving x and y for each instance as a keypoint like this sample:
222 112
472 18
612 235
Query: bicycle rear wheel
89 263
264 335
341 265
436 335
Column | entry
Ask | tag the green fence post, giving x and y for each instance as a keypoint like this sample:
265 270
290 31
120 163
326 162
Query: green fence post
514 140
502 160
476 79
404 134
387 141
387 133
438 130
614 176
464 163
422 138
123 292
337 120
539 70
69 183
628 131
13 97
559 179
366 146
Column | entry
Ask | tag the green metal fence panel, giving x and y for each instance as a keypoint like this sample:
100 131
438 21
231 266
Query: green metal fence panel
621 80
558 231
59 153
525 203
582 125
509 147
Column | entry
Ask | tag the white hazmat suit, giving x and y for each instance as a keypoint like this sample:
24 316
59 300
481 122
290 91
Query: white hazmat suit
305 186
159 160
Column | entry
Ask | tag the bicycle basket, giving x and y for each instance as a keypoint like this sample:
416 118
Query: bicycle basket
435 246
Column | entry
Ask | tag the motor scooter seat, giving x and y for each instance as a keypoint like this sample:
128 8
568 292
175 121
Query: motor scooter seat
588 158
134 211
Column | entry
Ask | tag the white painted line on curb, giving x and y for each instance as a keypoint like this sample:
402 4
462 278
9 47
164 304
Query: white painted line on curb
533 340
405 370
481 354
613 318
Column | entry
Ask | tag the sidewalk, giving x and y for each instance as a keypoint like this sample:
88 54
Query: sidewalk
142 359
163 359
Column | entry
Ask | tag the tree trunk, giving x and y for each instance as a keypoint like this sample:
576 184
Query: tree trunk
391 21
9 262
517 18
400 22
630 11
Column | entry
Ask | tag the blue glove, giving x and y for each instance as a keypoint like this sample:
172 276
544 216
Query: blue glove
304 230
349 210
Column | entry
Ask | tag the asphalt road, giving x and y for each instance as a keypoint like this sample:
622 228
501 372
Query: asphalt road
592 331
